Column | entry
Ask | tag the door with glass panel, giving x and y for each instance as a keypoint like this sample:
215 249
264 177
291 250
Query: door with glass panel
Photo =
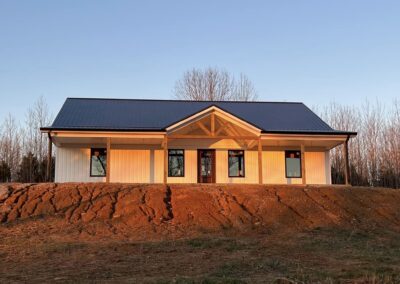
206 166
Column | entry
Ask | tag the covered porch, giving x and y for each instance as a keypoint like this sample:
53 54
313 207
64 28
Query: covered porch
213 144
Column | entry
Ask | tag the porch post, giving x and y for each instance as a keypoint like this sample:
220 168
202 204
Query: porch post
260 167
346 162
49 159
165 159
108 166
303 165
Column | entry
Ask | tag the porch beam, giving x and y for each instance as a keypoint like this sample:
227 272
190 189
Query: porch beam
108 166
303 165
165 159
346 162
260 166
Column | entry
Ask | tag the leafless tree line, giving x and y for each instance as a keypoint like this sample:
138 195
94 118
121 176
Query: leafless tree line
213 84
375 153
23 148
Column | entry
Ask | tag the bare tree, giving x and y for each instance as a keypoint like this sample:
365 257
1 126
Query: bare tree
390 157
36 117
375 152
23 150
213 84
244 90
35 144
10 146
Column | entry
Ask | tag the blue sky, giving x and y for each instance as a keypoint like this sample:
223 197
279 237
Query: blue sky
310 51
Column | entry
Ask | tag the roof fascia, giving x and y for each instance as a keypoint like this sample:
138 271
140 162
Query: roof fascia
304 136
329 133
111 134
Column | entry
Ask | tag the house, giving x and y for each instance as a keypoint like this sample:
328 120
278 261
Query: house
175 141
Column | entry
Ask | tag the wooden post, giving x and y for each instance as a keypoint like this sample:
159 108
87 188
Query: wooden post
108 166
212 124
260 167
346 162
49 159
165 159
303 165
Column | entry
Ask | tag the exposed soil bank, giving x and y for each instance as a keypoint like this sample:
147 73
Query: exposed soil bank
144 212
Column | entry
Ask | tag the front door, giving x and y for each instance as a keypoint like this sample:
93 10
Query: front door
206 166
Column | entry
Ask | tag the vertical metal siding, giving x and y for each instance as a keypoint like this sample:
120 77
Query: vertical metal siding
146 166
274 168
315 167
73 165
131 166
328 168
190 168
251 167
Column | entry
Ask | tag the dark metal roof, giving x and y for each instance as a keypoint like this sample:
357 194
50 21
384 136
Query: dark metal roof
156 115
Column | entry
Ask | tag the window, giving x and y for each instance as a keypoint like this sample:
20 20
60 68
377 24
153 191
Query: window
176 163
293 164
236 163
98 162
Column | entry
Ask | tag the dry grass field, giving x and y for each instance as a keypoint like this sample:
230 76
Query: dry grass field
123 233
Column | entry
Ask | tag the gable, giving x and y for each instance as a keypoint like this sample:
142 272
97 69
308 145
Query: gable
212 121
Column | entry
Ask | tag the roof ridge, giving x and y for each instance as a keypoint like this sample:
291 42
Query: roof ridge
172 100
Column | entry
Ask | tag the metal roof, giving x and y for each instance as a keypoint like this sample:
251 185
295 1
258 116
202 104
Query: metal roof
156 115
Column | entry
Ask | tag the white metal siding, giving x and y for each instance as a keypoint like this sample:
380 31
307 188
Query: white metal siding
274 168
147 166
190 169
328 168
132 166
250 168
315 167
73 165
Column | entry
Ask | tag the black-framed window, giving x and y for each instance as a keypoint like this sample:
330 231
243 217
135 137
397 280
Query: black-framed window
236 163
293 164
176 163
98 162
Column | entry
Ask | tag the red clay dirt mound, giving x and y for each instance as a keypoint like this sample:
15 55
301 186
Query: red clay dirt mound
139 211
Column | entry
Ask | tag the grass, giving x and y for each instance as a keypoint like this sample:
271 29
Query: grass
318 256
62 248
226 244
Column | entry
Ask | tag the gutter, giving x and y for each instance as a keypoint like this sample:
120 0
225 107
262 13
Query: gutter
49 129
348 133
